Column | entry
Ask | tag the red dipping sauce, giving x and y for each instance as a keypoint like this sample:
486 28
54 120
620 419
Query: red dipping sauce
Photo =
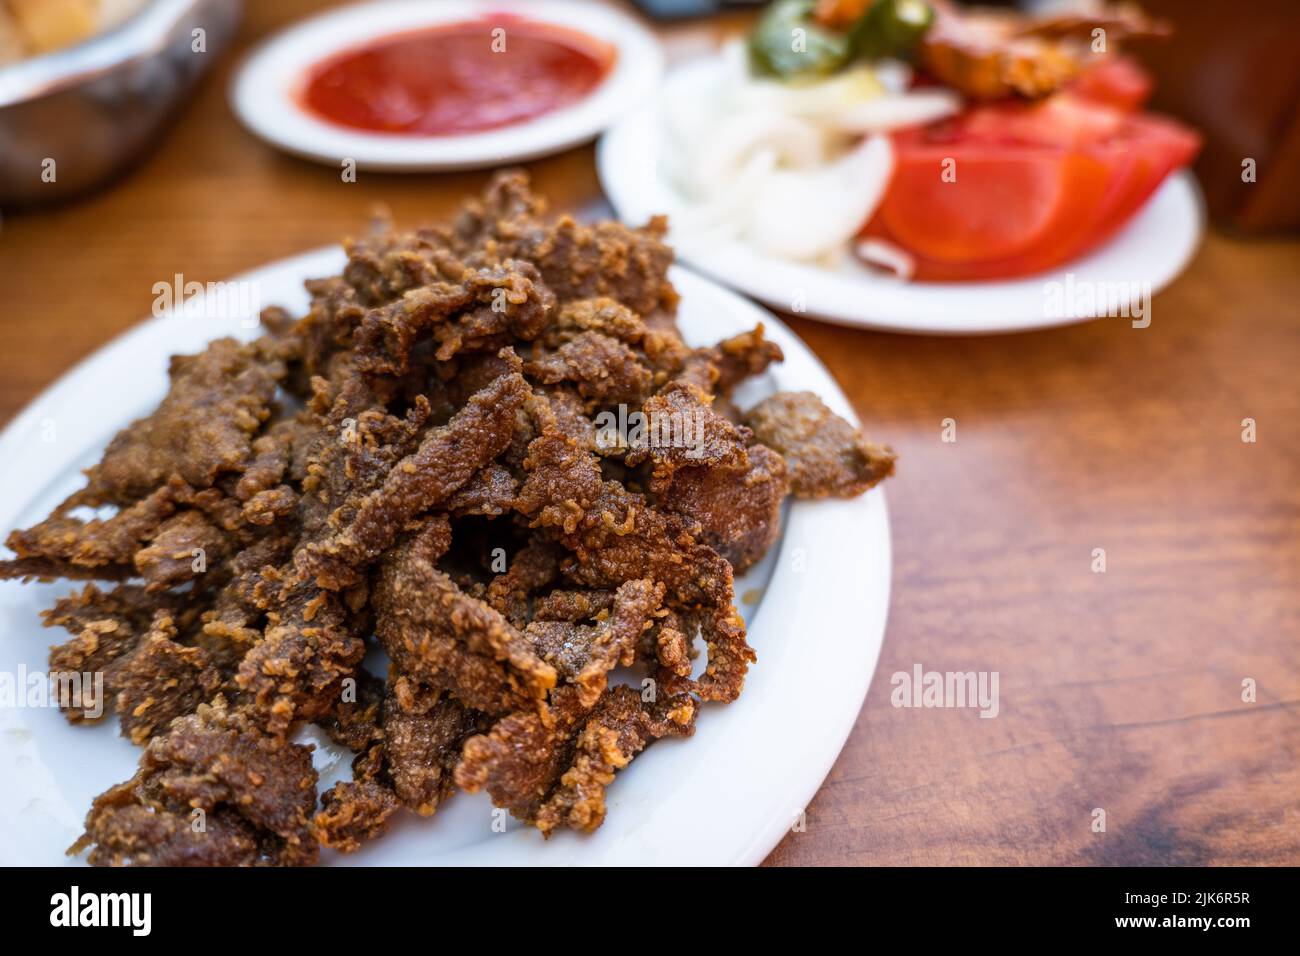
459 77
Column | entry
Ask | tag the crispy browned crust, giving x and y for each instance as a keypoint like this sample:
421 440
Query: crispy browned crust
352 812
825 455
214 790
416 464
450 640
552 771
584 654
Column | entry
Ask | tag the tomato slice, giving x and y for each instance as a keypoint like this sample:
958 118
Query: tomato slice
1000 203
1060 120
1035 186
1115 80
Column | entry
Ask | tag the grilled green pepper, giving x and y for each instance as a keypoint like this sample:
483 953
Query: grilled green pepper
890 28
787 41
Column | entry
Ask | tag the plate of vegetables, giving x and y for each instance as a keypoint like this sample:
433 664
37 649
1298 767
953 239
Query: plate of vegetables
919 166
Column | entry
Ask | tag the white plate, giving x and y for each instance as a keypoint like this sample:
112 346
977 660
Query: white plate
1151 251
263 92
725 796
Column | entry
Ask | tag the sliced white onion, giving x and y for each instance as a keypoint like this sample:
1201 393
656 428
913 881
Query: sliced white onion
896 112
809 214
727 211
792 168
886 255
719 158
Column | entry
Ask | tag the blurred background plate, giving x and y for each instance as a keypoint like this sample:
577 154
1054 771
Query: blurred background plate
1150 251
265 91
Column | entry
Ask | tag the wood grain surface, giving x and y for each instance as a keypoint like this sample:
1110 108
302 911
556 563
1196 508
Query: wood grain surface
1119 690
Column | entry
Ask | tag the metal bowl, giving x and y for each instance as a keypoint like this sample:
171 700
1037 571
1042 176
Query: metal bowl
94 107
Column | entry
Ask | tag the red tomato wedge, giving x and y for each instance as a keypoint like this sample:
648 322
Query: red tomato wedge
1155 147
1060 120
1115 80
1027 186
999 205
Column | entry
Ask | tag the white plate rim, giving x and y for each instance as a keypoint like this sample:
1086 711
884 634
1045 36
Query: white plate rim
1164 234
261 89
726 797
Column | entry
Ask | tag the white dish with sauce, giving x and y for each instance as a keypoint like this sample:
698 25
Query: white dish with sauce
267 91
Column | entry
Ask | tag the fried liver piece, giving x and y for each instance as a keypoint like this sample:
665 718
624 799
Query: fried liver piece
604 315
107 628
158 537
616 535
533 567
488 306
245 797
576 261
408 762
739 509
554 773
104 548
743 356
181 550
451 641
490 492
682 430
605 370
160 681
423 735
356 721
204 427
447 458
825 454
353 812
309 648
584 654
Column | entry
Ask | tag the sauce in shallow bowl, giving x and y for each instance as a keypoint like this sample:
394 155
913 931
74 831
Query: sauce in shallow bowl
457 78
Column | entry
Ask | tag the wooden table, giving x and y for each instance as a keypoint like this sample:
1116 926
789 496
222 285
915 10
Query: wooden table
1119 690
